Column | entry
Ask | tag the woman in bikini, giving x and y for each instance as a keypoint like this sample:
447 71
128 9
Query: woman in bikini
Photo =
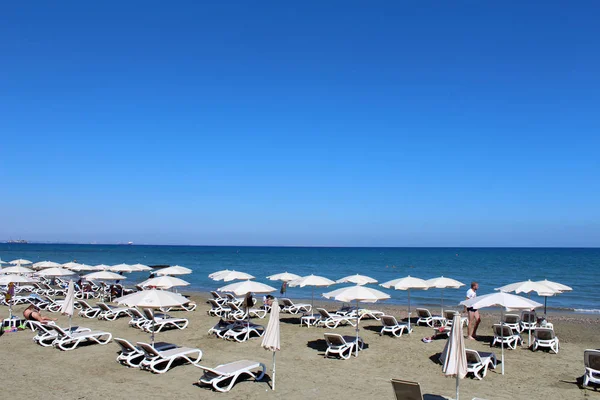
32 313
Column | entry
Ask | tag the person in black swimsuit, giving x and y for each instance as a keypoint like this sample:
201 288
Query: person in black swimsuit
32 313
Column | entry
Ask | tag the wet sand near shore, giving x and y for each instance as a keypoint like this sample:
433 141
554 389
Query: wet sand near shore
91 372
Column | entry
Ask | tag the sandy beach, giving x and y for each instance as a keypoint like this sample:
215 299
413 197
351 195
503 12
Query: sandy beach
91 372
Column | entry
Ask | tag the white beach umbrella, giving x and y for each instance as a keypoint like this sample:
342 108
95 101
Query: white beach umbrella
271 338
174 270
120 268
45 264
284 277
504 300
141 267
232 276
357 279
444 283
83 267
541 288
16 270
71 265
54 272
103 276
406 283
20 261
454 355
217 273
314 281
68 306
2 262
164 282
153 299
6 280
357 293
243 287
558 287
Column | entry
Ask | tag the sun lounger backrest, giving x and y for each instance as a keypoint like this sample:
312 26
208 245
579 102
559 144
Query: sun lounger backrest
591 359
406 390
149 350
324 313
528 316
503 330
233 306
389 320
333 339
287 302
423 313
544 334
472 356
449 314
213 303
103 306
215 295
125 344
148 314
58 330
135 313
511 319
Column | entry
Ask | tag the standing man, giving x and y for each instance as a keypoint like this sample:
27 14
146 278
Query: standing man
474 318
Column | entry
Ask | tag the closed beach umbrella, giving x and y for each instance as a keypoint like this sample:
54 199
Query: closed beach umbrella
504 300
407 284
45 264
153 299
231 276
271 340
314 281
284 277
444 283
164 282
175 270
68 306
454 355
359 294
20 261
120 268
357 279
16 270
54 272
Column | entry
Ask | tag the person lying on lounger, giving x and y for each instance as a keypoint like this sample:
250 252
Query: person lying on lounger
32 313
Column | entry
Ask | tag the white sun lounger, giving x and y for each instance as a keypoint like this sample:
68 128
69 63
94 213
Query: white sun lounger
426 318
514 321
528 320
545 337
231 372
69 341
449 317
157 323
591 360
332 321
504 334
111 313
221 327
218 309
342 346
46 336
88 311
291 308
154 358
242 331
132 356
189 306
391 325
478 363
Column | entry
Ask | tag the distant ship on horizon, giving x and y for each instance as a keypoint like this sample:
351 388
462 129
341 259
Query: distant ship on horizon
17 241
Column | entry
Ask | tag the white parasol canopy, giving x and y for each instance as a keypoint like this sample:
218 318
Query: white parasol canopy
20 261
6 279
101 267
454 355
231 276
444 283
120 268
103 276
359 294
214 274
243 287
3 262
556 286
174 270
271 340
406 283
45 264
83 267
71 265
284 277
54 272
141 267
528 287
16 270
501 299
314 281
164 282
357 279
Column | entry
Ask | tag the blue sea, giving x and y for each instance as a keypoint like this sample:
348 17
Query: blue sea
491 267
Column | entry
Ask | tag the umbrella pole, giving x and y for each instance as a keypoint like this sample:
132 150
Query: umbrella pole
357 321
457 385
442 313
409 311
545 300
273 371
502 337
153 322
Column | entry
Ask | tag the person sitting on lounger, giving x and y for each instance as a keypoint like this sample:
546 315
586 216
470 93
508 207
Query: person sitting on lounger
32 313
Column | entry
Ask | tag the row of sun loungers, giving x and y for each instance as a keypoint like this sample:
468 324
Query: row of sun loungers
53 335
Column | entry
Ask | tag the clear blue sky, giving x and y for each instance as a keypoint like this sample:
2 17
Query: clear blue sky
310 123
